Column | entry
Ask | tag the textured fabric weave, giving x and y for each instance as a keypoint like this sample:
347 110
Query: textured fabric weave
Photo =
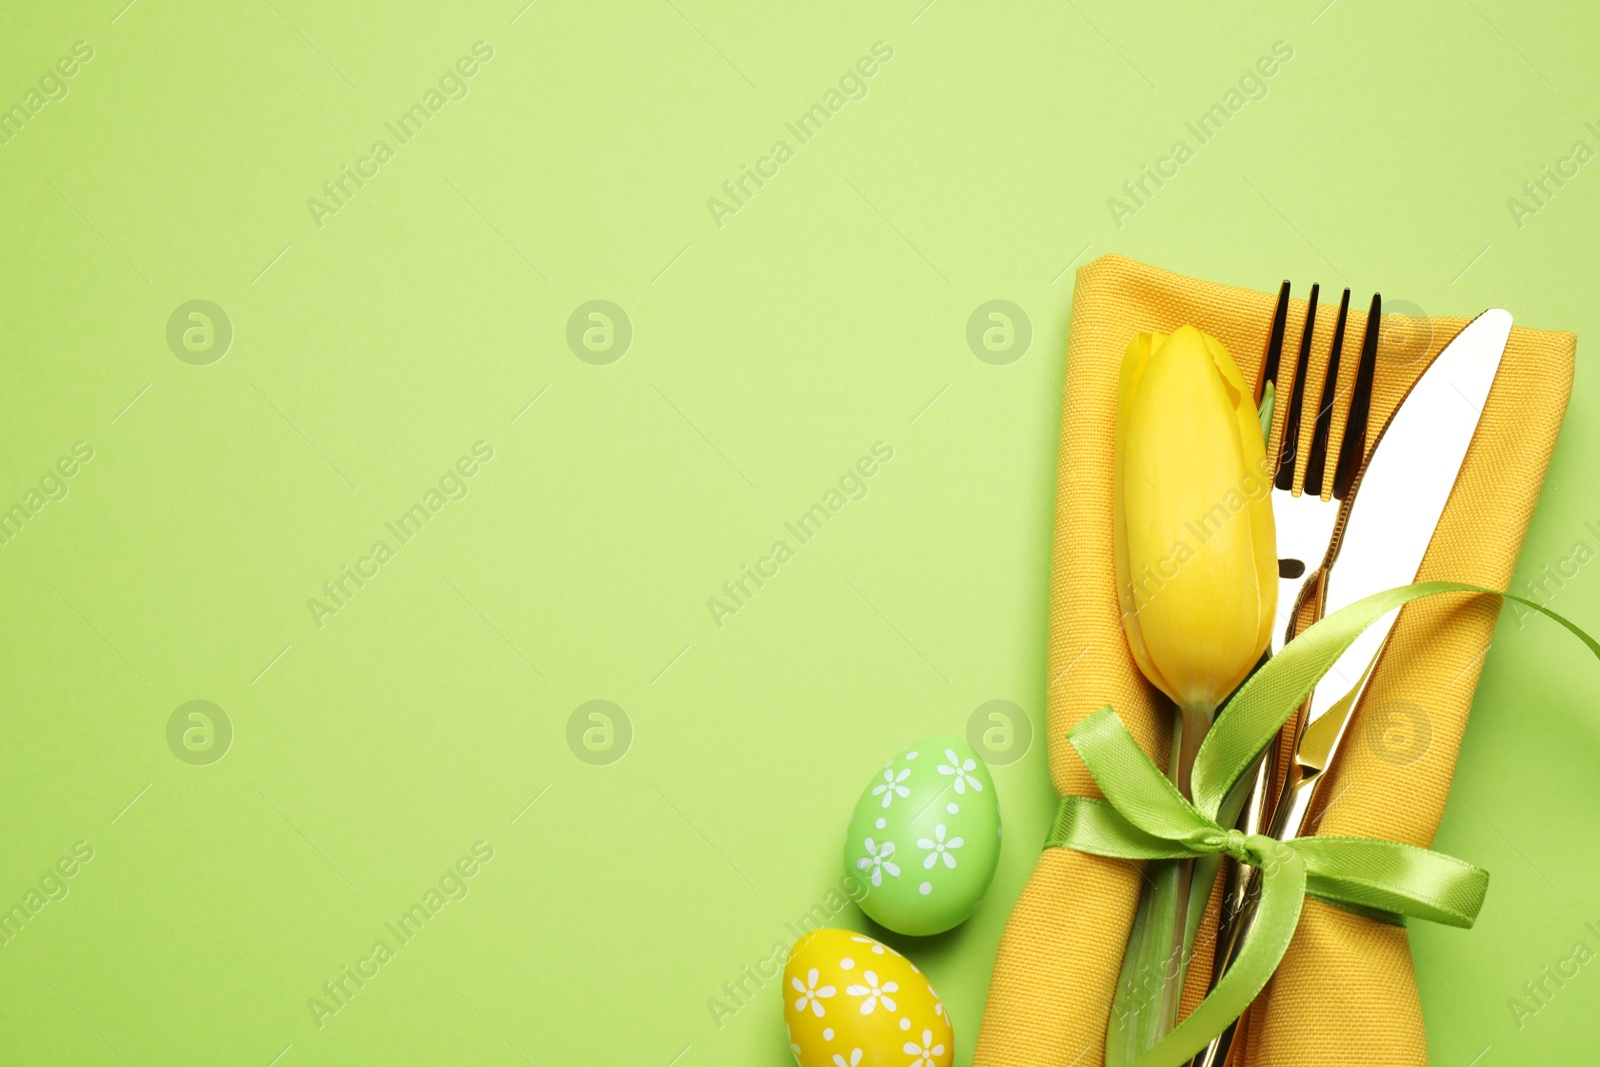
1345 993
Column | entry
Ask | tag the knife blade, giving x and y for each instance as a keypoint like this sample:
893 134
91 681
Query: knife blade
1381 538
1401 493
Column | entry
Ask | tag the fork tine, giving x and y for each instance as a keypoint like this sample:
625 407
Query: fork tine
1353 449
1269 367
1288 450
1317 461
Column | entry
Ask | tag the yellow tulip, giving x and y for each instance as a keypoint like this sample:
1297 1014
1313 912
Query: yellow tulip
1197 565
1197 572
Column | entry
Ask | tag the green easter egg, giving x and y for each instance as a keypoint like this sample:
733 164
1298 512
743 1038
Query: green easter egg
924 839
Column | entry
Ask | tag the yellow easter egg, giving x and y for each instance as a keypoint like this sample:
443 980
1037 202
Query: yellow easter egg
851 1001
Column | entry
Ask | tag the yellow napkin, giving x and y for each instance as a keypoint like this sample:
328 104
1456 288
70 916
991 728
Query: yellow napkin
1345 993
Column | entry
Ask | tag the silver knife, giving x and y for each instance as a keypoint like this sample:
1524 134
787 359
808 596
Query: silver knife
1389 521
1392 518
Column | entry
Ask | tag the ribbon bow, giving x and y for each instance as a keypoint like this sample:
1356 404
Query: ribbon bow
1144 817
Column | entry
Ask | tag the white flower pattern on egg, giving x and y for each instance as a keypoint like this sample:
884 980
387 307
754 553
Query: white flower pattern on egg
810 995
877 947
905 801
891 786
873 992
879 859
962 772
883 1004
938 848
924 1052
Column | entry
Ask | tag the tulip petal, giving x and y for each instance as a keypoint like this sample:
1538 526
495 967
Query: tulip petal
1134 362
1256 485
1188 528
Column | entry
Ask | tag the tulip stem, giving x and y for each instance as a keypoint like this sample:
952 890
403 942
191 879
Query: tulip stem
1192 726
1150 988
1264 413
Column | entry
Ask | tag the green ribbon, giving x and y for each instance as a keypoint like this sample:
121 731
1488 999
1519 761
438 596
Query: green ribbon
1144 817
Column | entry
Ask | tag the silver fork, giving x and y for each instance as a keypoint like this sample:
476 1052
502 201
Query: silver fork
1306 526
1304 520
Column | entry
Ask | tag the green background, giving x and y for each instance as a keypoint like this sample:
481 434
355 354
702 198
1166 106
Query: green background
828 313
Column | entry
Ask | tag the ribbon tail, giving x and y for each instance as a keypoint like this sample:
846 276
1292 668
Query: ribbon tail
1283 890
1386 876
1087 825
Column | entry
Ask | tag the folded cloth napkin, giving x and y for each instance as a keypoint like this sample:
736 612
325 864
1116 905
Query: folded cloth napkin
1345 993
